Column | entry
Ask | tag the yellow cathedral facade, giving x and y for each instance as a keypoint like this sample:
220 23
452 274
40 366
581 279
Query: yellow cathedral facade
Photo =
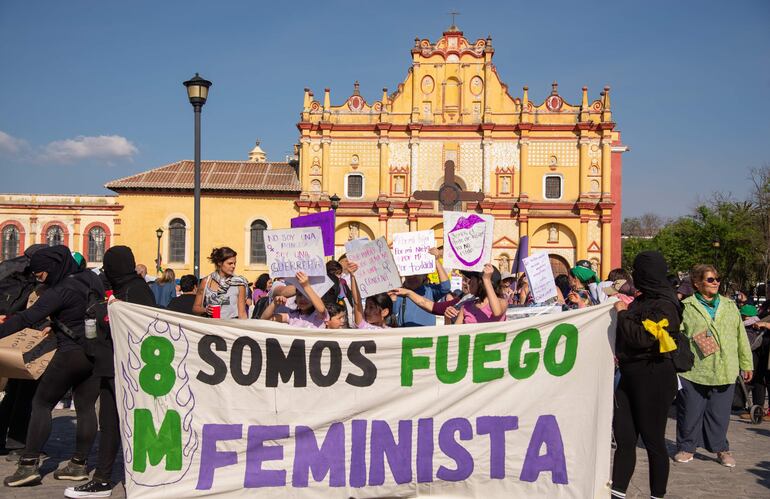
550 170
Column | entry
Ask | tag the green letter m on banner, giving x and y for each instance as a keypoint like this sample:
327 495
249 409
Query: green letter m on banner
165 443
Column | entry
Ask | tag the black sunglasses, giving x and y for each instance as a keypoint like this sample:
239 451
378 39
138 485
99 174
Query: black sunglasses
712 280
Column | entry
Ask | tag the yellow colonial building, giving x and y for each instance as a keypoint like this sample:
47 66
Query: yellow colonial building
550 170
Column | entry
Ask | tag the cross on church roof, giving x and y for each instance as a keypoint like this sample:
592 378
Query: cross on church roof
448 194
454 27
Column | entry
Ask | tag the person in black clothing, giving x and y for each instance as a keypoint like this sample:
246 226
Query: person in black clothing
184 302
127 285
65 303
647 375
16 406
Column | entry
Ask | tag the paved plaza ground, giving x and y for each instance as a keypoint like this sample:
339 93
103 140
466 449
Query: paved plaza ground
701 478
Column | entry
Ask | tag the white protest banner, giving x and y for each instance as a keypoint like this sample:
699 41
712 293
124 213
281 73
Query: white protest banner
356 243
540 277
229 408
467 240
377 272
293 250
410 251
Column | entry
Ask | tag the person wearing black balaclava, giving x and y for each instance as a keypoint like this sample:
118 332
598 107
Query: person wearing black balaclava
16 406
647 334
65 303
118 266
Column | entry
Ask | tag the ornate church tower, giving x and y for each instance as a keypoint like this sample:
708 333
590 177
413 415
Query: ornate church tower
550 170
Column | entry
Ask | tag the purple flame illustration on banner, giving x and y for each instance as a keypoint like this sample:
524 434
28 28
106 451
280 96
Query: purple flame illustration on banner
468 223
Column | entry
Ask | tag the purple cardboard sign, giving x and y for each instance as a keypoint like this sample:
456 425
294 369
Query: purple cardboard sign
324 220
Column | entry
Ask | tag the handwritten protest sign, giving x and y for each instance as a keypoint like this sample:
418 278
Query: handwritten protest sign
324 220
229 408
320 284
293 250
467 240
26 354
540 276
410 251
377 272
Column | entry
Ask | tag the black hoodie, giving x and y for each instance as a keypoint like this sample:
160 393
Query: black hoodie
65 300
118 266
658 301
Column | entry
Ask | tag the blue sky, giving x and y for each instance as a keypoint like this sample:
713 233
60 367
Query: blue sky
92 91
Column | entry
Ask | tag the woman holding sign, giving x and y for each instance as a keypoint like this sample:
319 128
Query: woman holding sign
222 294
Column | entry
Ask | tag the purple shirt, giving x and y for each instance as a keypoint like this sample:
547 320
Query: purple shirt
313 320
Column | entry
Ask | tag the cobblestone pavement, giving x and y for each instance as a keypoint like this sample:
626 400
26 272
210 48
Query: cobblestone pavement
704 477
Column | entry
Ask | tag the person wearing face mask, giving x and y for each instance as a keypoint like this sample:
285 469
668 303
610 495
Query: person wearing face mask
722 351
65 303
126 285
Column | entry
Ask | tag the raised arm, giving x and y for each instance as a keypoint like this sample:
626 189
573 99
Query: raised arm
358 309
442 274
421 301
318 304
269 313
495 302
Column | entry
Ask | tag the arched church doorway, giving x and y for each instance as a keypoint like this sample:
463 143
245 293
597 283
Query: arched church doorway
559 264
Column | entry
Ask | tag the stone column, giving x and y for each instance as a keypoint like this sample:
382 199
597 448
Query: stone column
582 250
584 166
606 167
306 161
486 162
414 146
523 166
384 166
77 244
326 143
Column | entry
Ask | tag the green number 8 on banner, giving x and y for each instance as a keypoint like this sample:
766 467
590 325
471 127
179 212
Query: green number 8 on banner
157 377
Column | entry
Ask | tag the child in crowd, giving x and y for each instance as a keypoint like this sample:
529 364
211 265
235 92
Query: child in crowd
338 315
377 310
311 310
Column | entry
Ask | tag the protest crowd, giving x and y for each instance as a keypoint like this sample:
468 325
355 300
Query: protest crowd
678 342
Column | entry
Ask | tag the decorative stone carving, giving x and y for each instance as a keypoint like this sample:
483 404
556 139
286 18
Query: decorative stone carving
398 154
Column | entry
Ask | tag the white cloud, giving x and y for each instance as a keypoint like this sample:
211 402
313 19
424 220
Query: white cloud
103 147
10 144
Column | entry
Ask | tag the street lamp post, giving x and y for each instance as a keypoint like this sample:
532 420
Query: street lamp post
197 92
335 201
159 233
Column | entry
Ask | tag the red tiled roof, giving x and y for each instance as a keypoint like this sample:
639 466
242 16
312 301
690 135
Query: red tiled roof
215 176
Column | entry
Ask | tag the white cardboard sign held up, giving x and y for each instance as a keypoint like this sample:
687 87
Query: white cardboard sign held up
410 251
377 271
467 240
540 276
295 250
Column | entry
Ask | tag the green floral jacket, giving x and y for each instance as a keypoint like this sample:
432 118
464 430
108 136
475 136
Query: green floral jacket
722 367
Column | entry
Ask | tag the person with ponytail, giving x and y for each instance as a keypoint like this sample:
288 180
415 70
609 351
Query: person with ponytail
222 287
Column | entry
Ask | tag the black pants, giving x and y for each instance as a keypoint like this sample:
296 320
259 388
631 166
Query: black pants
642 401
761 380
109 427
70 369
15 409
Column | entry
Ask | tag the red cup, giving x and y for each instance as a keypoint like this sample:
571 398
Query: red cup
216 311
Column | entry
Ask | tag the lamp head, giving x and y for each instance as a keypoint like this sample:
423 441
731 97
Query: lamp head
197 90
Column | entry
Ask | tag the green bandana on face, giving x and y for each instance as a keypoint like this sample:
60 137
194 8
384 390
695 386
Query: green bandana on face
585 275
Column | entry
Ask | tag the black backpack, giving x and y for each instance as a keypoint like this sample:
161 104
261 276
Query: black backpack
683 357
260 307
14 292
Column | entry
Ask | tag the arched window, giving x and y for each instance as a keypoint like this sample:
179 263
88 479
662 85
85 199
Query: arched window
177 232
257 253
354 185
96 240
10 242
54 236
